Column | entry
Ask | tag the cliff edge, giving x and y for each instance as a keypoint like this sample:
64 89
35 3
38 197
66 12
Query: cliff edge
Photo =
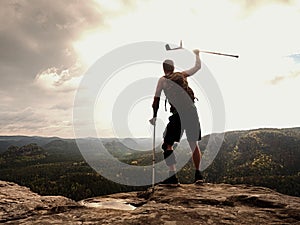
187 204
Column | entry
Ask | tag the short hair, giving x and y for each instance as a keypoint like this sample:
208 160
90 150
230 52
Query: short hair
168 65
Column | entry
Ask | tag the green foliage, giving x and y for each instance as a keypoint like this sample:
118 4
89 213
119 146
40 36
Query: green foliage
61 171
264 157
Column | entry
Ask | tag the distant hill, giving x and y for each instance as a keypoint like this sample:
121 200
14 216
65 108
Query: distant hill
266 157
6 141
263 157
30 152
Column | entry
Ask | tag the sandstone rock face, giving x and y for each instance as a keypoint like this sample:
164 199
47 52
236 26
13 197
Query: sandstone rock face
18 203
187 204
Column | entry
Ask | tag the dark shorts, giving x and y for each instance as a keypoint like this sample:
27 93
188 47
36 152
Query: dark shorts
190 124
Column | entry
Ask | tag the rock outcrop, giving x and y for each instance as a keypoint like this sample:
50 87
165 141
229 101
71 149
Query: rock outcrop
187 204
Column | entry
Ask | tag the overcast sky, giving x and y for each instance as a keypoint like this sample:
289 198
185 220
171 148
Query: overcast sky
46 46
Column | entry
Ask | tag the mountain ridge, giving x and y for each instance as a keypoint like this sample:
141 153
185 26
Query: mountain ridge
262 157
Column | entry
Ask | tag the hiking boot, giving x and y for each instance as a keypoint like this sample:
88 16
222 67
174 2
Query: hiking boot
171 180
198 177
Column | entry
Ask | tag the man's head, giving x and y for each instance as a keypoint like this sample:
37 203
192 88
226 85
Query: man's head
168 66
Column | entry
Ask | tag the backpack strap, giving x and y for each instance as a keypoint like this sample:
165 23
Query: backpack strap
166 105
166 76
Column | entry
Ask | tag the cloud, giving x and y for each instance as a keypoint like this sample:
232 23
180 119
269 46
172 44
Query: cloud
59 79
279 79
287 68
62 106
251 5
38 66
28 117
38 34
295 57
33 121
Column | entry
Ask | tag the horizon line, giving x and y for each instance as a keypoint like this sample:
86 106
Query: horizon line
115 137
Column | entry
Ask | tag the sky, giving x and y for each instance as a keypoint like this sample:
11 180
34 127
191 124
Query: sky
47 46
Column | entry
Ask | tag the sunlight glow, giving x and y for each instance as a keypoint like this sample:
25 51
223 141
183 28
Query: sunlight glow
262 37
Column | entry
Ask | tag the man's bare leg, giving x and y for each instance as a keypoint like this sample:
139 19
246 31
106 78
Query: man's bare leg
196 159
196 154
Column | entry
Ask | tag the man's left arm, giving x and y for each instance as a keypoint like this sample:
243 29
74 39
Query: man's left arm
196 67
155 104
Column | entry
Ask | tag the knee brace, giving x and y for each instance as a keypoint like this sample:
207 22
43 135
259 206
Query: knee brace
169 157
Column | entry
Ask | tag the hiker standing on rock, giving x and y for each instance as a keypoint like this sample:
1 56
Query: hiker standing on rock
184 116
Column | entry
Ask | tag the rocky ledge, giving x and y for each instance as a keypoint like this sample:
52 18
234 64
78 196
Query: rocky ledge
187 204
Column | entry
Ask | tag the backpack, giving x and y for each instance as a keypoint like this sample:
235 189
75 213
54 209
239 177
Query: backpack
172 93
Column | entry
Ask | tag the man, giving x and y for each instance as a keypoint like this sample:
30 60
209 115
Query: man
184 117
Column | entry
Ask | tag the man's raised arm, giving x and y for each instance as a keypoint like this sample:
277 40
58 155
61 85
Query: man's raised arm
196 67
